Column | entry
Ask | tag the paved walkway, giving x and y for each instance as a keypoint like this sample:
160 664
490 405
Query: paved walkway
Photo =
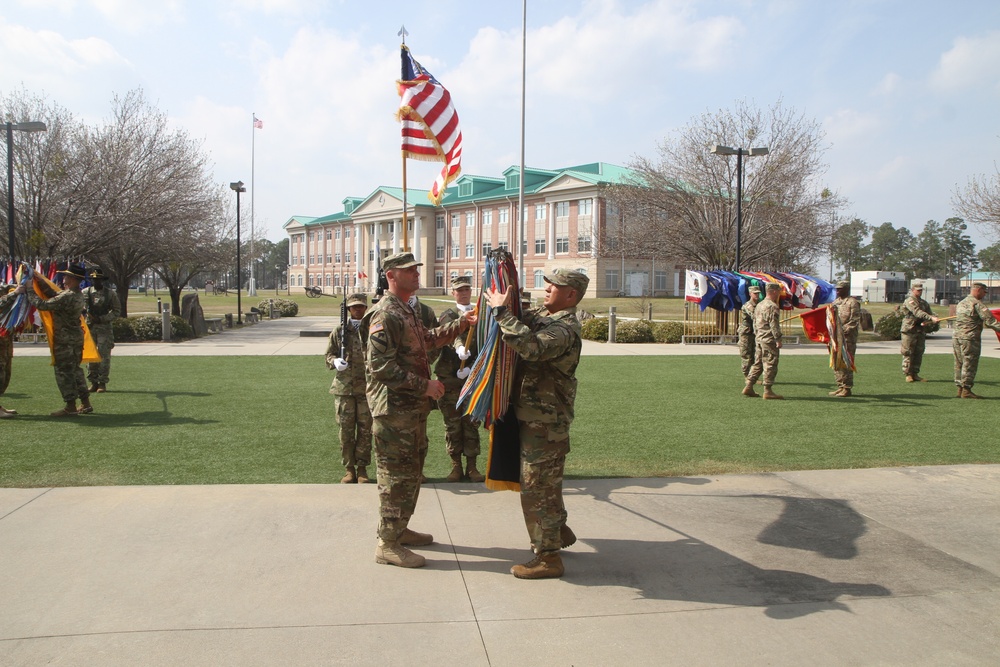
854 567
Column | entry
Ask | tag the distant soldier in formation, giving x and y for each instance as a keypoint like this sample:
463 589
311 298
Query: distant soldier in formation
102 310
848 313
967 341
353 416
400 394
767 331
6 350
67 347
913 334
748 343
461 432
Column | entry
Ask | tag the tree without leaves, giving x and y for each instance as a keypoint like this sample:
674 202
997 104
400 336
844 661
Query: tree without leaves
689 194
979 202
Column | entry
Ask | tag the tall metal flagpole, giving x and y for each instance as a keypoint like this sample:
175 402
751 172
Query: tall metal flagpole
252 291
520 180
402 34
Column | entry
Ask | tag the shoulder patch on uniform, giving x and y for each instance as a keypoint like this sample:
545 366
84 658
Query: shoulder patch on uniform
376 327
378 341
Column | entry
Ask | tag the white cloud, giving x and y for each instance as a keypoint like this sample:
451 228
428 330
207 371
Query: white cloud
889 84
849 125
971 62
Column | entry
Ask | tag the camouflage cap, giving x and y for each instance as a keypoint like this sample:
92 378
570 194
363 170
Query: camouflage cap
843 284
401 260
357 299
574 279
773 287
917 286
980 285
753 289
459 282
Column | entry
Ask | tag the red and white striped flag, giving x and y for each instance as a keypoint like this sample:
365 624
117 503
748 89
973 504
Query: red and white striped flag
430 123
258 123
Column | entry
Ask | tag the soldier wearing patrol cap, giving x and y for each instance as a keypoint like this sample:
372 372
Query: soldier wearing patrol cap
971 315
916 314
354 419
102 310
549 343
747 340
848 312
461 432
400 391
767 332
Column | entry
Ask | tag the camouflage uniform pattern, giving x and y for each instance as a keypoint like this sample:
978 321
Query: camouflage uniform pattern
967 339
102 309
399 371
767 329
6 348
747 340
461 432
916 313
848 312
354 419
67 348
545 390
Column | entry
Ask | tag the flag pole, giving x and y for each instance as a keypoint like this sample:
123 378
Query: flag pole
253 138
402 35
520 180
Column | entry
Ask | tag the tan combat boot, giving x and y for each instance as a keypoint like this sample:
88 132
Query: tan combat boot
845 392
748 390
350 477
546 565
960 390
770 395
917 378
967 393
363 477
456 469
393 553
567 536
411 538
471 472
835 392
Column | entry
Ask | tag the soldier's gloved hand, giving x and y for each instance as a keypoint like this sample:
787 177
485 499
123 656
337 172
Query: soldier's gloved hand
463 353
339 364
463 372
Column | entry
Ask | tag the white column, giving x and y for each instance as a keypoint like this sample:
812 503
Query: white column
417 220
593 226
550 243
396 234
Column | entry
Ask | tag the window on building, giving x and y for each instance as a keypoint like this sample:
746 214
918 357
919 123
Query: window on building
371 229
439 278
465 189
336 258
562 244
562 235
470 219
470 249
487 218
371 255
540 246
502 216
455 221
562 209
584 207
439 222
540 211
453 275
505 245
487 248
336 280
584 243
612 280
336 235
347 233
513 181
455 250
328 259
660 281
538 278
439 252
328 234
409 225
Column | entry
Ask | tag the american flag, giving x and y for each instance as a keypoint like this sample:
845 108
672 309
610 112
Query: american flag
430 123
258 123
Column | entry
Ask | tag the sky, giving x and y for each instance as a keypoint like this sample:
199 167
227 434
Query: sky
906 91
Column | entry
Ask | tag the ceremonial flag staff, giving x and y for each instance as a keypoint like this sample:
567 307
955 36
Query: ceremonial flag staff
257 125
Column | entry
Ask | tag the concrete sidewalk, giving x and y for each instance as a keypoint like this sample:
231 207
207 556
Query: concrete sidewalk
860 567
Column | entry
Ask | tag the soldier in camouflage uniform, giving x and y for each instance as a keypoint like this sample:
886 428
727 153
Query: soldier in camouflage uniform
767 330
430 321
748 343
967 340
67 347
6 350
544 392
400 393
461 432
916 314
348 388
102 309
848 312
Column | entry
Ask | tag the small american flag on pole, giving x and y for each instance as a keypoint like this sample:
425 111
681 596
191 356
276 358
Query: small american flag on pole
258 123
430 123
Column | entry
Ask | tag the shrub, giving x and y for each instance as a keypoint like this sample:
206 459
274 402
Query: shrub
147 327
701 329
634 331
887 326
123 331
596 328
179 328
668 332
286 307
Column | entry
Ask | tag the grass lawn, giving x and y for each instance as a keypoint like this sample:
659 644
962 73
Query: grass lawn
251 420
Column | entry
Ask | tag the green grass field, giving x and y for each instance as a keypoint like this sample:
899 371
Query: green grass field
250 420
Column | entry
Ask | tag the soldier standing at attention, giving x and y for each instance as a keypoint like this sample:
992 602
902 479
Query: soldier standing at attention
748 343
6 351
767 330
967 341
430 321
102 309
549 345
67 348
916 313
848 312
461 432
400 393
353 416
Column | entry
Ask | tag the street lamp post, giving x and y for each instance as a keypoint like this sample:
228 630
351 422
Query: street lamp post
739 153
238 188
31 126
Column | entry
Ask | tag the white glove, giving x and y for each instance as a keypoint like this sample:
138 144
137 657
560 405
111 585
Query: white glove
463 372
463 353
339 364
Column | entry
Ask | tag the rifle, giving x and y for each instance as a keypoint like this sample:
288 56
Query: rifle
382 283
343 327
